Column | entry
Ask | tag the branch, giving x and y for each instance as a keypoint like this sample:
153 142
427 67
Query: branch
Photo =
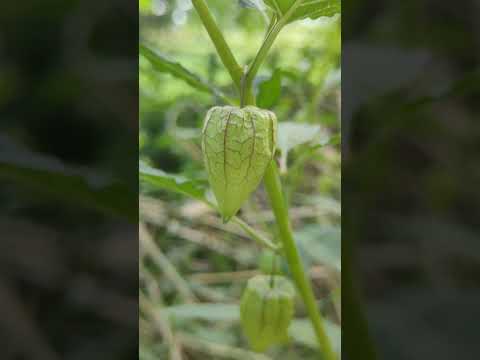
219 42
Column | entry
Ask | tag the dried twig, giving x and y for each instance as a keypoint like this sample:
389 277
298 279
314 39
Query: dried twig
152 251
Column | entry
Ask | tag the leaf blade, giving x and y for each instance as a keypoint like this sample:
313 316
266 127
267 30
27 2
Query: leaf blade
163 64
174 183
312 9
47 174
291 135
269 90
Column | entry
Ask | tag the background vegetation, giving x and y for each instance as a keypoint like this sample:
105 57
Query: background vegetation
68 180
193 268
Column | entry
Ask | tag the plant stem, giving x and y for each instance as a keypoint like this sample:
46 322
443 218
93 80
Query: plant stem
272 33
274 190
262 53
259 238
271 179
219 42
254 234
273 187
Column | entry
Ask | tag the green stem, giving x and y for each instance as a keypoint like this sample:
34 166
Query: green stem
273 187
255 235
272 33
262 53
219 42
271 179
243 93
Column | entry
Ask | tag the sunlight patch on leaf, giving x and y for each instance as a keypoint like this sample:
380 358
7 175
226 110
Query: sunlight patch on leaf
291 134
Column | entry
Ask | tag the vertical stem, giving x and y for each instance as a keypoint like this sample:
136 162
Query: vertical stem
274 29
273 187
271 179
219 42
243 88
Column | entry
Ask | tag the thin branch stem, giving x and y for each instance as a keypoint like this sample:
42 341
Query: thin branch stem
254 234
162 325
152 250
271 179
259 238
274 190
268 42
273 187
219 42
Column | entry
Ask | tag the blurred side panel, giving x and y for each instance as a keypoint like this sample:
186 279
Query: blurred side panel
68 179
411 175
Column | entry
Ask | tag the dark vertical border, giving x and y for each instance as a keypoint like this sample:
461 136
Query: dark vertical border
410 172
69 179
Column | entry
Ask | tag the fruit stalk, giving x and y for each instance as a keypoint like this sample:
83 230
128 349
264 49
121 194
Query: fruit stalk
273 187
271 179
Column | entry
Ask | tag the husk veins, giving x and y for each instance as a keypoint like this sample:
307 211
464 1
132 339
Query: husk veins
266 311
237 144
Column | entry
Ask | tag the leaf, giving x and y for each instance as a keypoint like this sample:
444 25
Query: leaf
291 134
175 183
321 244
207 312
312 9
49 175
254 4
300 329
315 9
162 64
269 90
302 332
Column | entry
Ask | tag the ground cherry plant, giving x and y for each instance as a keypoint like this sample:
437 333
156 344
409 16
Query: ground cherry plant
240 141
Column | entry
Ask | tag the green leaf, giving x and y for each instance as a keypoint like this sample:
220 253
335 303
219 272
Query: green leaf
254 4
269 91
323 244
300 329
206 311
162 64
315 9
174 183
291 134
48 175
279 6
302 332
312 9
